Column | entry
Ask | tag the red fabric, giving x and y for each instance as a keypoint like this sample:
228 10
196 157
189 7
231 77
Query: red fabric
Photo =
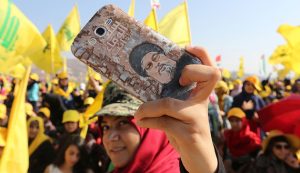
154 155
283 115
242 142
288 104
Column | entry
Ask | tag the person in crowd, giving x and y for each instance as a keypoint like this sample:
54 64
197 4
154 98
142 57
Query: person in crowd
71 121
296 87
185 124
224 99
3 89
33 91
94 86
41 152
237 88
71 157
64 90
277 147
3 134
243 145
44 113
215 118
3 115
250 102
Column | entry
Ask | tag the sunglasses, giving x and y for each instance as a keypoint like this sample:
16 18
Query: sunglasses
280 147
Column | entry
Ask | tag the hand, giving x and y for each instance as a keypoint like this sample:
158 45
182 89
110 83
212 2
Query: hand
186 122
248 105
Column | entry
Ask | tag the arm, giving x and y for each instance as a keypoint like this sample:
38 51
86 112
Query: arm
186 122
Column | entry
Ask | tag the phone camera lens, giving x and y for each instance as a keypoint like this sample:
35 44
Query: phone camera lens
100 31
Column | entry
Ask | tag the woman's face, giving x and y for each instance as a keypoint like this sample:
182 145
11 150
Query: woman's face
70 127
63 82
281 150
120 138
249 87
159 67
33 129
236 123
72 155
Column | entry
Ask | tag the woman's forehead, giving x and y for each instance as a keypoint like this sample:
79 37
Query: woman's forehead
111 119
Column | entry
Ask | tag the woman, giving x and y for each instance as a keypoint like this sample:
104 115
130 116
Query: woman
250 102
185 123
41 152
71 121
276 149
130 147
71 157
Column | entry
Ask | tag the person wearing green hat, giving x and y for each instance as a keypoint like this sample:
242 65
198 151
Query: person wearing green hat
184 123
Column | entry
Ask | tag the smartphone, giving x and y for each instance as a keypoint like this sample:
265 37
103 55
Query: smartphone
131 54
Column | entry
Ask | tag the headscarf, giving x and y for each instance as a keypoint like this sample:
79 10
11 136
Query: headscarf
40 138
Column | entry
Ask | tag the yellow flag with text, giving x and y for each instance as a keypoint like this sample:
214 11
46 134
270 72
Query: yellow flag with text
15 157
175 25
49 58
151 20
240 72
131 8
69 30
18 36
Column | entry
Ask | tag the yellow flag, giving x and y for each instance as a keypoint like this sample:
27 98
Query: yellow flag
240 72
49 59
281 54
226 73
69 30
131 8
15 158
18 36
151 20
291 34
91 110
283 73
175 25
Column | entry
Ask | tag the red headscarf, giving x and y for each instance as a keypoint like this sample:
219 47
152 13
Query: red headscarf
154 154
242 142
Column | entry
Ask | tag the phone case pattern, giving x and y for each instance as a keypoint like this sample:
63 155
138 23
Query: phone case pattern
132 55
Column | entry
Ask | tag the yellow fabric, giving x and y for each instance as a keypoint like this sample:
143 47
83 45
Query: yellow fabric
226 73
40 138
236 112
62 75
70 116
19 37
255 81
2 111
15 155
91 110
61 92
175 25
131 8
34 76
69 29
265 93
29 109
3 135
89 101
151 20
45 111
237 82
49 58
292 139
240 72
222 85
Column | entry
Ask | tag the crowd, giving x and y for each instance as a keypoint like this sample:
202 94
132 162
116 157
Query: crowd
119 142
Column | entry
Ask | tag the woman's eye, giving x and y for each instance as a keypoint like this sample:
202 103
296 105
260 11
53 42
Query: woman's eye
122 123
105 128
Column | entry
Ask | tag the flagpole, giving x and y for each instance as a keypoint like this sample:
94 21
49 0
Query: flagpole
188 21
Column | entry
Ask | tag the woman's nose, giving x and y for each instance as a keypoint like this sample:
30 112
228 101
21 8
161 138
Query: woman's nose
114 135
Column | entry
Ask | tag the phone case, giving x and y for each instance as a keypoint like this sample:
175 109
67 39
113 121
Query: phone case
138 59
